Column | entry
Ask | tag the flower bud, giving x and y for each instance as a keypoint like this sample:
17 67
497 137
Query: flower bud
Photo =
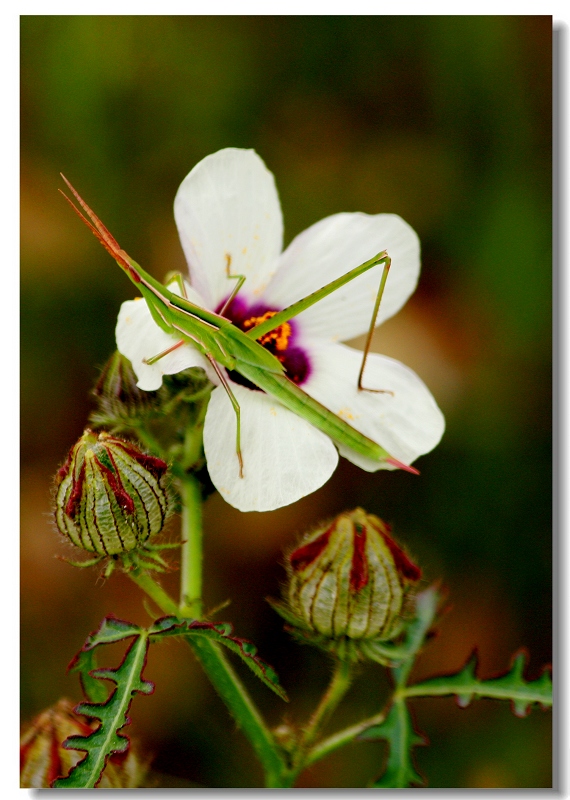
43 757
117 394
110 497
349 579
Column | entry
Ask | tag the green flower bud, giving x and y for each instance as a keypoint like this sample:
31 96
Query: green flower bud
43 757
117 394
348 582
110 497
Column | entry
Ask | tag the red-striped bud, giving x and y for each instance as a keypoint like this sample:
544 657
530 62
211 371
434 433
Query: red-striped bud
348 582
110 497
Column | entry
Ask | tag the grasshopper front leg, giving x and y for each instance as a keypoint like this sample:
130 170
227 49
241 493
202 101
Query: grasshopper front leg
385 271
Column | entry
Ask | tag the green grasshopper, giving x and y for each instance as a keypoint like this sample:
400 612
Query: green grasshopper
222 342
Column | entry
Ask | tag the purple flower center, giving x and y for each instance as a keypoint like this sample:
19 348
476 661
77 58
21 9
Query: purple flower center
280 341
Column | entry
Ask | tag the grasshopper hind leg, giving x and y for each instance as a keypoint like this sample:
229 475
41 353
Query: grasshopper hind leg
361 388
236 408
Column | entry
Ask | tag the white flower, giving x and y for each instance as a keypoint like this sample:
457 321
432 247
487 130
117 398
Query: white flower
228 212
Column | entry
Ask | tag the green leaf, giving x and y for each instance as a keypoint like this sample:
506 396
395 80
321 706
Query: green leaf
84 662
222 633
111 630
112 714
398 730
511 686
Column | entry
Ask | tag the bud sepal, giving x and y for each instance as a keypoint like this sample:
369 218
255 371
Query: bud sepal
350 589
163 417
111 499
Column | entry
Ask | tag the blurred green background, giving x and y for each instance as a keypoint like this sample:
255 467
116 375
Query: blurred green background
443 120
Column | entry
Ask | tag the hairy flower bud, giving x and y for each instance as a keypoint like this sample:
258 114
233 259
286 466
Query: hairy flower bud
110 497
117 393
348 581
43 757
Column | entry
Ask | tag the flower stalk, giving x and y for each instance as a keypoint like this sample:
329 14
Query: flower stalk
191 550
338 687
219 671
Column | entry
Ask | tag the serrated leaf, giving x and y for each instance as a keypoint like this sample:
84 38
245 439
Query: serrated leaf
510 686
111 630
221 632
398 730
112 714
84 662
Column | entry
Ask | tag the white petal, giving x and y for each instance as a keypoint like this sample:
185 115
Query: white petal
407 424
228 207
333 247
284 457
139 337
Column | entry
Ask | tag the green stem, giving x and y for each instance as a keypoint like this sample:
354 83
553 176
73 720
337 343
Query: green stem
242 708
228 685
149 441
337 740
191 550
154 591
213 660
339 685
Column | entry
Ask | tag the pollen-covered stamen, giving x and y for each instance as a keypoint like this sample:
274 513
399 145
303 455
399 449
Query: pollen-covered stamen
277 339
281 342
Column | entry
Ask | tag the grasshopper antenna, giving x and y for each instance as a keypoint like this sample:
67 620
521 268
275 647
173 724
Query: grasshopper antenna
100 231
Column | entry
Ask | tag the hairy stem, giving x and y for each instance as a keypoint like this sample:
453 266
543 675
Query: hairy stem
241 707
154 591
227 684
191 561
337 740
339 685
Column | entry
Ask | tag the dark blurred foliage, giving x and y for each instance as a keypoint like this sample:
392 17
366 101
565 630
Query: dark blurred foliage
443 120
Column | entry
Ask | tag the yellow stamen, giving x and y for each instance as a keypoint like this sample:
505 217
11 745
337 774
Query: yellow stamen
279 337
